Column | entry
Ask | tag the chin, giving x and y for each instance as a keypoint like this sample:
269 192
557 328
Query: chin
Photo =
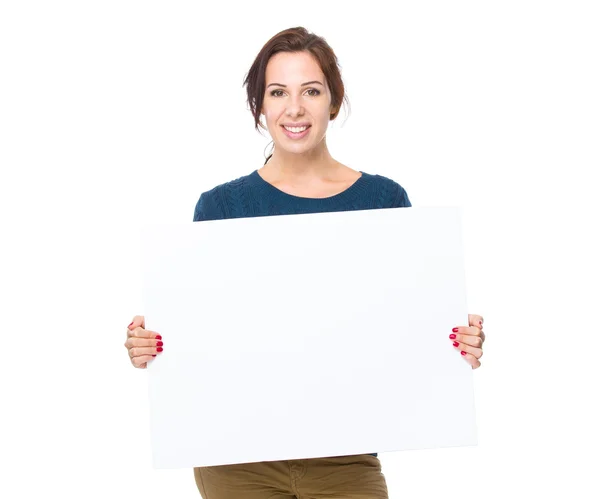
297 150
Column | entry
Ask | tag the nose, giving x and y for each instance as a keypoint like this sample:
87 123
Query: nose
295 107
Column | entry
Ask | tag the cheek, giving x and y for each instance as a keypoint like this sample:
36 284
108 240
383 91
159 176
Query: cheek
324 119
271 114
322 112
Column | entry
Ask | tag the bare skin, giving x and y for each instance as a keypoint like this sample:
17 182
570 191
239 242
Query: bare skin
142 344
337 181
301 167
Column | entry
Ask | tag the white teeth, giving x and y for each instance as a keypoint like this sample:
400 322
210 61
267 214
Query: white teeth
295 129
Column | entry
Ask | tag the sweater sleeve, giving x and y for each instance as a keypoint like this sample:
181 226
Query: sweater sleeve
206 208
401 199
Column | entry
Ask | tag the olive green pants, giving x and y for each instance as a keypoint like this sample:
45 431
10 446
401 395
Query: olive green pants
348 477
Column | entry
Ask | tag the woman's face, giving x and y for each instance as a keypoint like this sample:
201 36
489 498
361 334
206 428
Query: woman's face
296 96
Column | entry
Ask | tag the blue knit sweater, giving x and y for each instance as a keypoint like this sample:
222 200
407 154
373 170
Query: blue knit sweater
252 196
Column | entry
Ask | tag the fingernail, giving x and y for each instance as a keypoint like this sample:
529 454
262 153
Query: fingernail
455 329
158 337
159 343
159 349
130 325
452 336
463 352
153 355
455 343
481 323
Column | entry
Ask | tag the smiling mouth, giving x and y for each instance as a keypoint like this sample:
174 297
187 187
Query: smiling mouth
296 133
296 129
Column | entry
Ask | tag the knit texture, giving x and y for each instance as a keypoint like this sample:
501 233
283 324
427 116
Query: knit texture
252 196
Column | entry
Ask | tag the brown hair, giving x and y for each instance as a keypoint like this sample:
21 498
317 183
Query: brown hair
294 40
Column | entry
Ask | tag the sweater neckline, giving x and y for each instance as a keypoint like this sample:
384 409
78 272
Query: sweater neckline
346 194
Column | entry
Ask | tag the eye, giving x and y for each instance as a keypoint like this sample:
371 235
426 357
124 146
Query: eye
275 93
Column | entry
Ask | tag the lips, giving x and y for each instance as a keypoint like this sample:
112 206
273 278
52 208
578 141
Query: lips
304 125
296 135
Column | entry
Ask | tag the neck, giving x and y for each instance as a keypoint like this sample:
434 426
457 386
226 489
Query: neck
315 163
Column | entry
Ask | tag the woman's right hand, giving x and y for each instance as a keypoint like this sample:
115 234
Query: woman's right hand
142 345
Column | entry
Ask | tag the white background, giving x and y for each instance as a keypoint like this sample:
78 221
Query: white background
117 113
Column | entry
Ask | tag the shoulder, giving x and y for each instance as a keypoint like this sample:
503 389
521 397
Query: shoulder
213 204
392 194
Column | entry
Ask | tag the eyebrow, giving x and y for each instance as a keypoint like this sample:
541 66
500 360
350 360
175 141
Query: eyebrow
307 83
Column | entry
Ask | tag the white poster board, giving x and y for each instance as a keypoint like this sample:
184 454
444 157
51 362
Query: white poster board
301 336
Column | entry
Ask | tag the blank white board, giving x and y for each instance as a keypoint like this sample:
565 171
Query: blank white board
301 336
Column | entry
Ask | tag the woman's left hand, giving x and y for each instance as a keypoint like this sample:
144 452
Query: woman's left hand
468 340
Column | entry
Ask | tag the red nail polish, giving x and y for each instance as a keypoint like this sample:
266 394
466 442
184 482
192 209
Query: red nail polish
159 349
130 325
455 343
159 343
158 337
455 330
463 353
153 355
452 336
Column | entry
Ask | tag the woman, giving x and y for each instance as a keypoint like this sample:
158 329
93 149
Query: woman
296 85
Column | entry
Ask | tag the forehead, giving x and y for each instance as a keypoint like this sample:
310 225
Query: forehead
293 67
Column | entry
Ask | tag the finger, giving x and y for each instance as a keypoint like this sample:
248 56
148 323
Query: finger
141 362
470 331
463 347
472 360
140 332
476 320
473 341
138 321
144 351
469 339
135 341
